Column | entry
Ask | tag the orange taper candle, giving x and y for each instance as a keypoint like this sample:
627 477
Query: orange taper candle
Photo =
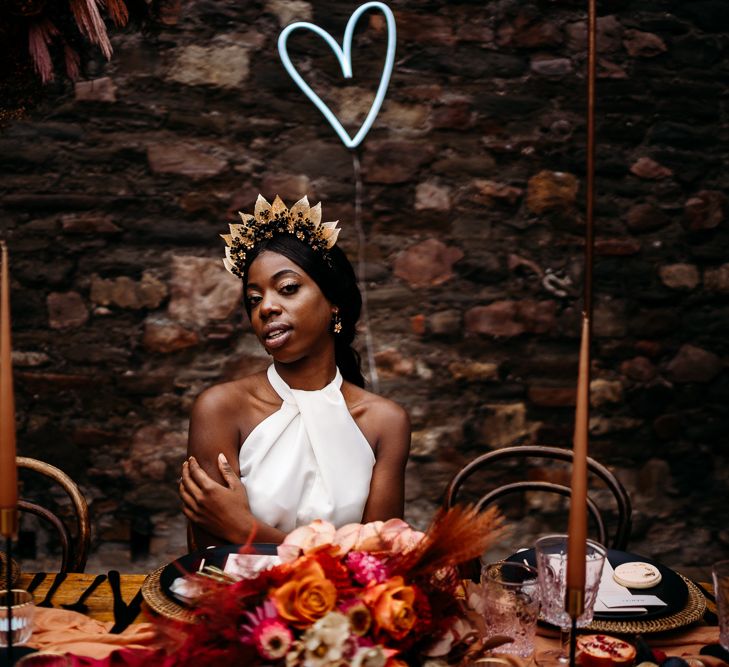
8 466
577 531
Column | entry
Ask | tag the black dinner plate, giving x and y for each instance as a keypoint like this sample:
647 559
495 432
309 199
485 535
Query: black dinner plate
213 556
671 588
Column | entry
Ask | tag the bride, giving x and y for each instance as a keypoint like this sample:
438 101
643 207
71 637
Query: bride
303 440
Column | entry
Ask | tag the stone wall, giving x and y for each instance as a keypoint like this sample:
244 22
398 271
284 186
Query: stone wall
114 190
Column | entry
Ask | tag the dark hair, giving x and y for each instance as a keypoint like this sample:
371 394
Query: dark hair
337 281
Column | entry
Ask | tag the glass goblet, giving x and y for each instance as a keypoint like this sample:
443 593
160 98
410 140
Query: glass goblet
511 605
720 574
551 555
16 617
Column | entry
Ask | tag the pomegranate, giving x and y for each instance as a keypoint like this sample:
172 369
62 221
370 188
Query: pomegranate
604 651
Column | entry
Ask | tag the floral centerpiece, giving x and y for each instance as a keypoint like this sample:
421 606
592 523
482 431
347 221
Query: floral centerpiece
372 595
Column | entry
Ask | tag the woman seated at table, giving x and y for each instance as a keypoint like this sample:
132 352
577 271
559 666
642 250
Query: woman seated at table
302 440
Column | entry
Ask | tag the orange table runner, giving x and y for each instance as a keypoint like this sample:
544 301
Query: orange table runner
61 631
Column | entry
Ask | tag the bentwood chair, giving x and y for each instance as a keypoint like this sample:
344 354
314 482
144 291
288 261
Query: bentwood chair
530 469
74 544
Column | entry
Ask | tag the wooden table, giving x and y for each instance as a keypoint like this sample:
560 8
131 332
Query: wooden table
101 601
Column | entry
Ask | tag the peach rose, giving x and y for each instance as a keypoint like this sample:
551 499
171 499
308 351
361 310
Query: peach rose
306 596
307 537
369 537
347 536
360 537
398 536
393 535
392 606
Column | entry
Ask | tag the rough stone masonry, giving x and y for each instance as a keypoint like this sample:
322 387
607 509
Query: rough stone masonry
113 192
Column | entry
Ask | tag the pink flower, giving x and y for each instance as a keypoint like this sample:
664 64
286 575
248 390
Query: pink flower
366 568
266 612
272 639
266 632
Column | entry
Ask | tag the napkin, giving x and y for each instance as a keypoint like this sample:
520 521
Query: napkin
186 590
247 566
614 598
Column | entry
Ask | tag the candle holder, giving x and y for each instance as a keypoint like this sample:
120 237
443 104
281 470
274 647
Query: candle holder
12 652
551 554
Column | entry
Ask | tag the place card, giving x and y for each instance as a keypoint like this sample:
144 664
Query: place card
610 591
630 600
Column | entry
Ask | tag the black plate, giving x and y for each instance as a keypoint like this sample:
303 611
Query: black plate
671 589
213 556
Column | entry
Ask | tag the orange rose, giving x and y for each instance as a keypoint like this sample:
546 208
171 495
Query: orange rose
306 596
392 606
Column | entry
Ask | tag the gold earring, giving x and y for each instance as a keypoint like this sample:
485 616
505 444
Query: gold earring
337 322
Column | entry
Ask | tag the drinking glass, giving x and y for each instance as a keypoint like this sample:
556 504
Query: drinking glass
511 605
21 621
720 574
551 554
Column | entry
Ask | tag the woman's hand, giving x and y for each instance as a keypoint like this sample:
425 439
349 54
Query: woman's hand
220 509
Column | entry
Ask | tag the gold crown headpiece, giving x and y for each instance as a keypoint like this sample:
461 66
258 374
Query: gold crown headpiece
302 221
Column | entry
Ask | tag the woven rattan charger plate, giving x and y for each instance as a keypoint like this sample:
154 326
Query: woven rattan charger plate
155 597
692 611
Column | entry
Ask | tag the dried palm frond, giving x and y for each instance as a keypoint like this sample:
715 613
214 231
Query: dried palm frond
118 12
455 536
40 35
73 62
90 23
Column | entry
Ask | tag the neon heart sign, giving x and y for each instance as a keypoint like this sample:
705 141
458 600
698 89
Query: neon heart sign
345 62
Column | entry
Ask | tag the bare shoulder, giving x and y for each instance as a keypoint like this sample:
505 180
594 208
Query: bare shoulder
360 401
384 423
233 398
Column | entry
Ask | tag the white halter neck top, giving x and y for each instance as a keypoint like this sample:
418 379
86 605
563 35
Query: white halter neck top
308 460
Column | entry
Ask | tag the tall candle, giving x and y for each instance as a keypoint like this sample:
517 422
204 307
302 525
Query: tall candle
8 467
577 531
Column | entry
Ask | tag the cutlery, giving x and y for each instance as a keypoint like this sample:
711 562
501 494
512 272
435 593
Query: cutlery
133 609
46 602
707 594
709 616
120 607
36 581
80 604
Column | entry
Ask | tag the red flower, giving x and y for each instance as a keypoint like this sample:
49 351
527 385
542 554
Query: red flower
334 569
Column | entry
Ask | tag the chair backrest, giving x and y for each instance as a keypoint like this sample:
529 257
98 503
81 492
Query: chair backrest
74 549
623 507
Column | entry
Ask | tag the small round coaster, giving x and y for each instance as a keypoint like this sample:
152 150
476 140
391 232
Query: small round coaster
637 575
